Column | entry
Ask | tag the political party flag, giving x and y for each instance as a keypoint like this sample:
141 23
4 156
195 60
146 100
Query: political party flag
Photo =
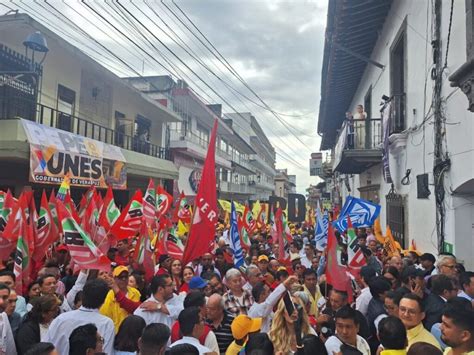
144 255
249 222
24 249
6 209
64 188
82 249
255 210
174 245
355 256
321 230
163 201
182 210
12 228
243 233
262 216
336 273
54 212
391 246
181 229
286 229
235 239
225 205
362 213
378 231
149 203
283 255
46 231
109 212
130 220
203 227
69 204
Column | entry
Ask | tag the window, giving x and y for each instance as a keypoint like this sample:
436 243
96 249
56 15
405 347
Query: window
66 103
398 81
396 216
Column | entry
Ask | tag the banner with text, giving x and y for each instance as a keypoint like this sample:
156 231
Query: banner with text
54 152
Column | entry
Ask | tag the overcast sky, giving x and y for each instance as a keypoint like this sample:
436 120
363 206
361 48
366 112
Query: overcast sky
276 46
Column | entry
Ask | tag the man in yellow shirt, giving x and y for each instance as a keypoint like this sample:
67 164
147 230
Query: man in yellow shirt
412 313
393 336
311 288
121 300
457 328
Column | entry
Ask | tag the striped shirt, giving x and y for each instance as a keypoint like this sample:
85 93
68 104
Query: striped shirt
223 332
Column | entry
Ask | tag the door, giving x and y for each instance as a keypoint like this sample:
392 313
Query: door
65 106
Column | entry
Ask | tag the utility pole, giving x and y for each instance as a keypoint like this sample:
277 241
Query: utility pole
441 162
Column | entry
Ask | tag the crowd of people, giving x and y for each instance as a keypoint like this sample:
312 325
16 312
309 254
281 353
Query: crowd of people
403 303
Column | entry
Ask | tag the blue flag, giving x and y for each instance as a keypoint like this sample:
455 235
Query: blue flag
321 230
235 239
361 212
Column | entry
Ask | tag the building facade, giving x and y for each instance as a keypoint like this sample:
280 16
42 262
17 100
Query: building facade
245 158
73 97
422 136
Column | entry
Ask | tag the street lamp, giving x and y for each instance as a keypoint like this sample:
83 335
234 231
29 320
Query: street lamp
37 43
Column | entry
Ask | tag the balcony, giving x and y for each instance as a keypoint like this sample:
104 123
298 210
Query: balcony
233 188
262 164
195 146
242 165
355 153
51 117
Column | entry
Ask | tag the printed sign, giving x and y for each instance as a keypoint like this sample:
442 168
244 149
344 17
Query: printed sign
54 152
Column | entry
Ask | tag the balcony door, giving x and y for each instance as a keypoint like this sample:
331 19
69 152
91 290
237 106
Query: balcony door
66 106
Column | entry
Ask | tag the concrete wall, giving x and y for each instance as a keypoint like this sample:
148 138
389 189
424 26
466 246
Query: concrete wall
418 153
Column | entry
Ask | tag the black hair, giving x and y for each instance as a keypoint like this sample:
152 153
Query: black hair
94 293
428 257
182 349
257 290
440 283
40 349
218 251
309 272
313 345
187 319
393 271
423 348
154 337
281 273
396 296
215 276
6 272
259 344
378 286
44 277
325 288
82 338
78 297
207 275
461 314
128 334
465 278
4 287
417 299
347 312
392 333
342 293
195 298
41 305
157 282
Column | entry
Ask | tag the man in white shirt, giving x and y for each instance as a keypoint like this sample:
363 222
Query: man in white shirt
367 273
191 324
266 300
94 294
347 326
7 342
308 256
169 305
466 279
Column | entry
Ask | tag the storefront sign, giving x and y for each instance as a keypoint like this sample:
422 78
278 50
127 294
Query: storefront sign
54 152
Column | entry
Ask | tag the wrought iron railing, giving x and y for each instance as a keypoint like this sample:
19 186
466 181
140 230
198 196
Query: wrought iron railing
51 117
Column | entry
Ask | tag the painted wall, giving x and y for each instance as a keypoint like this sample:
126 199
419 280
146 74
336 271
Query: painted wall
417 155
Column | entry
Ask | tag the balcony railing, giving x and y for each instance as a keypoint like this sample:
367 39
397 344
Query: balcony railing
188 136
358 145
226 186
51 117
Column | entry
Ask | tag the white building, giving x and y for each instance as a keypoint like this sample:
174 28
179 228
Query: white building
396 37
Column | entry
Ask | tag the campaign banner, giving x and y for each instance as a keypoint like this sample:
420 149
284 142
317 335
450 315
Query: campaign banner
54 152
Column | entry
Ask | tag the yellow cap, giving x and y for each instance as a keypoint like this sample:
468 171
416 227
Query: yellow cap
118 270
262 257
242 325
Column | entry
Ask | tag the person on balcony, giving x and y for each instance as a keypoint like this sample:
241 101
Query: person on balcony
350 130
359 118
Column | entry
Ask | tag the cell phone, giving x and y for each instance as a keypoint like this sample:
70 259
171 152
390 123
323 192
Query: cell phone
290 307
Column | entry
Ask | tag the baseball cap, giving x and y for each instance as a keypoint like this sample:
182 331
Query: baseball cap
61 247
197 282
262 257
118 270
242 325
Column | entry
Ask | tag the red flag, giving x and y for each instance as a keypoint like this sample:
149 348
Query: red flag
69 203
283 255
130 220
336 274
203 227
54 212
82 249
46 231
243 234
6 213
163 202
183 210
12 229
149 203
143 251
24 250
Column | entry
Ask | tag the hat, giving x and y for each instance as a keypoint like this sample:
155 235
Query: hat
197 282
118 270
294 256
281 268
163 258
262 258
242 325
61 247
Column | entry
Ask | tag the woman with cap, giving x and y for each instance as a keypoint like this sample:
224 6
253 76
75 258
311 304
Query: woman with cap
288 330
